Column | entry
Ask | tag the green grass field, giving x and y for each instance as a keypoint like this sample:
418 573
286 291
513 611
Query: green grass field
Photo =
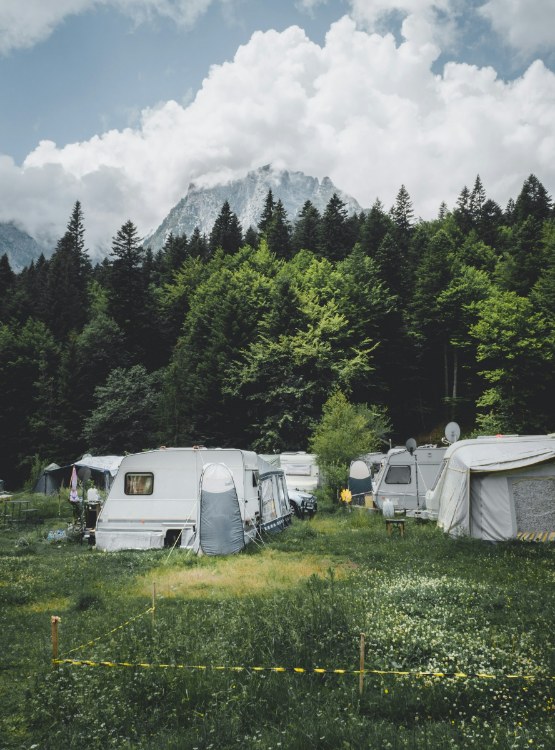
425 603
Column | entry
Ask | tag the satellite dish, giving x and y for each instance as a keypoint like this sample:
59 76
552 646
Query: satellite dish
410 445
452 432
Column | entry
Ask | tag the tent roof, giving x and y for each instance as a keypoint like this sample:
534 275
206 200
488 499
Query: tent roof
500 453
101 463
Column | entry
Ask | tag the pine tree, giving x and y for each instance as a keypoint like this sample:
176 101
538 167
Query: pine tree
533 201
278 232
198 245
476 202
375 227
129 304
251 238
306 233
267 213
402 214
7 287
171 257
443 211
509 214
333 230
69 272
226 232
462 212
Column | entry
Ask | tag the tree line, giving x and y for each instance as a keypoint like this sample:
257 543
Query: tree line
239 338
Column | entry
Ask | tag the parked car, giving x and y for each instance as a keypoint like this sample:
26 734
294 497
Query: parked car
303 504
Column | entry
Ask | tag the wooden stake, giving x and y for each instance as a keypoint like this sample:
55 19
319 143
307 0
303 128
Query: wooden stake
361 675
153 604
54 620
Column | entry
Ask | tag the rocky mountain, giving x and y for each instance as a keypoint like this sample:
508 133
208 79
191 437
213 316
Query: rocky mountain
19 246
246 196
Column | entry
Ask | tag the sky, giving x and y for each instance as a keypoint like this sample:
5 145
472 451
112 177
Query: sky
121 104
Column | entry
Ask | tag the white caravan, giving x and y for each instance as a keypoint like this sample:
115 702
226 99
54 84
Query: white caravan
301 471
497 488
404 478
159 498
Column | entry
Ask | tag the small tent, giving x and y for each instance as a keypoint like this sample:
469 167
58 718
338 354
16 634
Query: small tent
103 469
220 526
360 481
496 488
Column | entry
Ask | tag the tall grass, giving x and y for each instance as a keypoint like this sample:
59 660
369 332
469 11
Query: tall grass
425 603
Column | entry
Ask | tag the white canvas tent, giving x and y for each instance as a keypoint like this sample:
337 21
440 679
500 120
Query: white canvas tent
495 488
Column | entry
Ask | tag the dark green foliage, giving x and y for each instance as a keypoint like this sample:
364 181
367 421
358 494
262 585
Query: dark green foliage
28 398
306 234
278 232
267 213
226 232
69 271
374 229
534 202
346 431
130 302
516 350
435 320
335 236
222 318
125 415
7 287
198 245
251 238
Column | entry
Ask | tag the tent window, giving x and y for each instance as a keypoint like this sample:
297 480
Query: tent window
255 479
139 483
398 475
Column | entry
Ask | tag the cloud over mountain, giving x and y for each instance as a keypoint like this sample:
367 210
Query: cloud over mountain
368 112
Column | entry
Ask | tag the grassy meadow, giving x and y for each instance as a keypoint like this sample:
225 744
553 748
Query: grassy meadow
301 599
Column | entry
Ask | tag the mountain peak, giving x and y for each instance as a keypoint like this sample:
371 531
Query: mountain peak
19 246
201 206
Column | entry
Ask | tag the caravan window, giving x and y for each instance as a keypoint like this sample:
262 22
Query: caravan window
139 483
398 475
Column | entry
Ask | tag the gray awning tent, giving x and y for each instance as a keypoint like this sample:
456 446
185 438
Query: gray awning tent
495 488
220 523
103 469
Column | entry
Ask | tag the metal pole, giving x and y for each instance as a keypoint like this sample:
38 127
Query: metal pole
416 469
361 667
54 620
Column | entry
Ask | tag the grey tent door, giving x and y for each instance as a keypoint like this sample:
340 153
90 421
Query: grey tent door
220 523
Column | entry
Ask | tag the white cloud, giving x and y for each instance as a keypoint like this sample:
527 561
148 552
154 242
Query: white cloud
309 5
425 22
527 25
24 23
368 113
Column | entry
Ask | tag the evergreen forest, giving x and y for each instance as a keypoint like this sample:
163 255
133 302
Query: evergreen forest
239 337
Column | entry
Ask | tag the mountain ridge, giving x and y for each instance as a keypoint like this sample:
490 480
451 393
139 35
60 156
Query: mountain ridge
201 206
19 246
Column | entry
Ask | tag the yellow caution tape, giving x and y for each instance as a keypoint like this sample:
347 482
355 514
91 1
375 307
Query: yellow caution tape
113 630
303 670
